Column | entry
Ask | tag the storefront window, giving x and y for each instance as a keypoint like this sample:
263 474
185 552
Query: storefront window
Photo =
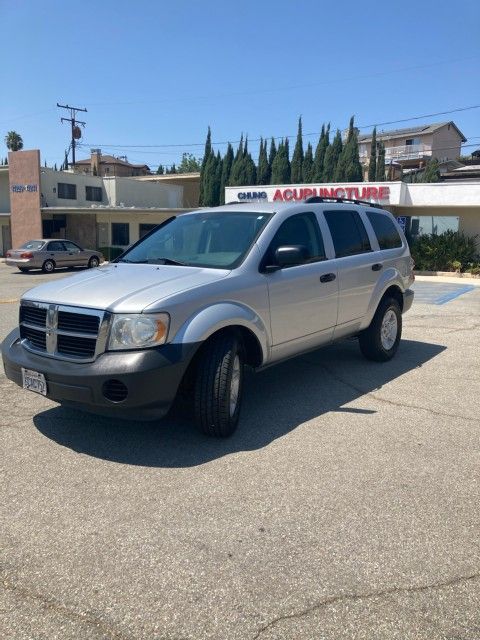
421 225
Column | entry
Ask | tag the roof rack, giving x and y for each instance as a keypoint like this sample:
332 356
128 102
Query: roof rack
316 199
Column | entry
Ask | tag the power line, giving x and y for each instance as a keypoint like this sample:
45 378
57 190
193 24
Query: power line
76 132
314 133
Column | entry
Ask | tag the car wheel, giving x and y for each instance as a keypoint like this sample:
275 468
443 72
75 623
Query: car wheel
48 266
380 341
23 269
93 262
219 385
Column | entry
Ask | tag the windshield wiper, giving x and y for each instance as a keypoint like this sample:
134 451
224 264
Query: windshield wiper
155 261
166 261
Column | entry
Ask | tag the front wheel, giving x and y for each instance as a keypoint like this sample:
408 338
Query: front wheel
380 341
218 386
93 262
48 266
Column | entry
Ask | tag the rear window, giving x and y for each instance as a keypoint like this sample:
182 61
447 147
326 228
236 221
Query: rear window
348 233
33 244
385 230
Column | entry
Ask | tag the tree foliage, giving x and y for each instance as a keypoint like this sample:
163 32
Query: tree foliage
281 171
380 169
372 166
13 141
189 164
308 164
332 154
319 159
297 159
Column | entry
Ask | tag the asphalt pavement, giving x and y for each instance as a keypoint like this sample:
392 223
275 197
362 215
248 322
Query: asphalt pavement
346 506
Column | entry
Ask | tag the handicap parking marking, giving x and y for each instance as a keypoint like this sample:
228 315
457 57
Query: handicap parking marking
439 293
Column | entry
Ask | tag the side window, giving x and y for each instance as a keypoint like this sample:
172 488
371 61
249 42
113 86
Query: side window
301 229
55 246
70 246
386 232
348 233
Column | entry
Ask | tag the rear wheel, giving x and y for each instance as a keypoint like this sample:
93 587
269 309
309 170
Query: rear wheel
380 341
93 262
48 266
218 386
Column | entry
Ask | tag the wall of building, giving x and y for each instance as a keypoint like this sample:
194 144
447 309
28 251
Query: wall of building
82 229
4 190
104 222
24 184
446 143
142 194
50 180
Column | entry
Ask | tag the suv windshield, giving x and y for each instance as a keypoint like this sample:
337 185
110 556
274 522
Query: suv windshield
209 239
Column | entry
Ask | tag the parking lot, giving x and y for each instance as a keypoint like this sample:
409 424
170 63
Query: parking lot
347 505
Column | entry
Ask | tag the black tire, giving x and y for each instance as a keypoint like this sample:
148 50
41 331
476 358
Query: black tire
24 269
372 345
48 266
93 262
214 412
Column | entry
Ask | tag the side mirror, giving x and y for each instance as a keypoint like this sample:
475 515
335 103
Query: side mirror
288 256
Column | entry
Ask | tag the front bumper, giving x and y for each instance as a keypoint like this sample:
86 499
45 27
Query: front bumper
151 376
408 296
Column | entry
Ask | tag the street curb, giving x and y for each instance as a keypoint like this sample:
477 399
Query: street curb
448 274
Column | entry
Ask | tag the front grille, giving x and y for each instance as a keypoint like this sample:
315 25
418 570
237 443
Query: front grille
33 315
67 333
76 346
36 338
78 322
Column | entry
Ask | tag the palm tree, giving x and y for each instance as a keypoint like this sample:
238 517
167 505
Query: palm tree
14 141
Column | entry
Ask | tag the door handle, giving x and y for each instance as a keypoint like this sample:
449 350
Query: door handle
377 266
327 277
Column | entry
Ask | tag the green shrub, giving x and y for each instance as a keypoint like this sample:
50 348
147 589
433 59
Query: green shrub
449 251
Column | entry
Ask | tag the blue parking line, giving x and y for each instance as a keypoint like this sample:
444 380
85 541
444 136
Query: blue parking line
454 294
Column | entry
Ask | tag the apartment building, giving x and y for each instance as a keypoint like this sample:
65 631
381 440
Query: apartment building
109 166
412 147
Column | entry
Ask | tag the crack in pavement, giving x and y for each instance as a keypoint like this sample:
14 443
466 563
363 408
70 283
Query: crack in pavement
64 610
363 596
406 405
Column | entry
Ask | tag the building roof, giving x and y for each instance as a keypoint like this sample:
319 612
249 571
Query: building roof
112 160
402 133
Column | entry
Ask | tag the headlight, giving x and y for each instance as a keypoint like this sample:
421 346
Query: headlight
139 330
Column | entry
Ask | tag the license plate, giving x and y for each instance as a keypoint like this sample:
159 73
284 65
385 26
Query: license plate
34 381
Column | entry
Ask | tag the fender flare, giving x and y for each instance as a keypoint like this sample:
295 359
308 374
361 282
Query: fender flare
213 318
389 278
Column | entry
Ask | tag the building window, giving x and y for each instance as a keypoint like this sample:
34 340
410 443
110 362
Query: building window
412 142
143 229
120 234
67 191
93 193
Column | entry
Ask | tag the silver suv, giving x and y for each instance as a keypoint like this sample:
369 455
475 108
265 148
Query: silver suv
203 295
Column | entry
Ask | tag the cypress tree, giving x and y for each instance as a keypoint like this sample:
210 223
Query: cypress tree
308 164
297 159
236 172
249 170
263 171
226 170
320 151
206 154
281 165
349 168
332 155
372 167
271 157
432 172
210 191
55 167
160 170
380 173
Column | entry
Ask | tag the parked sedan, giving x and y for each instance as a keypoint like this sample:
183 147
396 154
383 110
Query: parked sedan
48 254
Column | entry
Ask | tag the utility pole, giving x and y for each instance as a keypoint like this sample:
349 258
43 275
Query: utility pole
76 132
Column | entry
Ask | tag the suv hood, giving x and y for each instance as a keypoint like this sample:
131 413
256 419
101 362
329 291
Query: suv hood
123 288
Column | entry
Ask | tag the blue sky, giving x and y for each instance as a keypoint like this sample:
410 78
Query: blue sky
158 73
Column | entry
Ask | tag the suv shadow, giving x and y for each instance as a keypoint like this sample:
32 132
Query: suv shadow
276 401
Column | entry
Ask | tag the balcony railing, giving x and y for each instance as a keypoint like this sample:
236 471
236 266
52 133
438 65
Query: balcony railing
404 152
